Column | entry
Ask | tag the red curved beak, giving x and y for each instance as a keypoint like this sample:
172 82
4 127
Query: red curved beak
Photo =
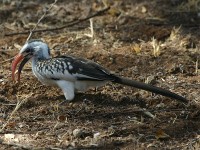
16 60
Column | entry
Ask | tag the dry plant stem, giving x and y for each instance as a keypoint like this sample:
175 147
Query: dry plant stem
7 60
91 35
156 47
19 103
196 66
91 27
98 13
40 20
31 32
22 146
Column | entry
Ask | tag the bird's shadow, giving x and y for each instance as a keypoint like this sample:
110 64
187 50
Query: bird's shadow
99 99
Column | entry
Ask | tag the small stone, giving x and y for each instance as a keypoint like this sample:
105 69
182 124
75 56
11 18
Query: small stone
144 9
74 143
124 128
78 133
96 135
161 105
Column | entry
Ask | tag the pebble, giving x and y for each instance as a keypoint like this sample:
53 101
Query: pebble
77 133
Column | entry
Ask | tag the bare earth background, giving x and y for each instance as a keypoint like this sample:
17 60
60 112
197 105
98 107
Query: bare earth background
149 41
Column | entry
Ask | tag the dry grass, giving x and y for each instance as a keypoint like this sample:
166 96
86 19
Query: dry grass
20 102
190 5
156 47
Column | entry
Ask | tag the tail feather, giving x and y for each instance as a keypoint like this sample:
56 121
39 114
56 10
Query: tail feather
150 88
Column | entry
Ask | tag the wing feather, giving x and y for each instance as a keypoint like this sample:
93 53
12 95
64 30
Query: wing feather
66 67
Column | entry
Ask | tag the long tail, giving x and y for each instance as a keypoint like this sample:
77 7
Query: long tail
148 87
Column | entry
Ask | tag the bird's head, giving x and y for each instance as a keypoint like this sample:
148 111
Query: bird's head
33 48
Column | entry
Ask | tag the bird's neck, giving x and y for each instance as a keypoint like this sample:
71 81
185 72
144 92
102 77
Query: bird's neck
38 65
35 60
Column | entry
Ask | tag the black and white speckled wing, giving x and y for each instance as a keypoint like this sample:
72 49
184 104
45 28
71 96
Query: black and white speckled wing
71 69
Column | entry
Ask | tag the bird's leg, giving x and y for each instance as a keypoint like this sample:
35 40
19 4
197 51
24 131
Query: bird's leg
67 88
63 103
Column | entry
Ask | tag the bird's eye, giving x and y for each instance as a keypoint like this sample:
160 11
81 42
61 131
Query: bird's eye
28 50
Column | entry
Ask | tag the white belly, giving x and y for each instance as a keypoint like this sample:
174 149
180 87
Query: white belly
79 85
85 85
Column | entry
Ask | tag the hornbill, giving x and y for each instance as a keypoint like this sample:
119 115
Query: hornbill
73 74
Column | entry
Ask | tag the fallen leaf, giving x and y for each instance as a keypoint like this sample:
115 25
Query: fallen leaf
160 134
61 118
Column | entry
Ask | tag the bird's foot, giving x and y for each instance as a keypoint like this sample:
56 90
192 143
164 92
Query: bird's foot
64 102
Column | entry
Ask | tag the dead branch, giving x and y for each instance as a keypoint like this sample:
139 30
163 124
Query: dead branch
98 13
40 20
18 105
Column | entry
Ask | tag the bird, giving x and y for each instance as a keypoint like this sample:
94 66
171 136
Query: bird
72 74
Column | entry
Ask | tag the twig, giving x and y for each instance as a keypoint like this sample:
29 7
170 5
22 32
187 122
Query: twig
40 20
21 146
130 112
98 13
33 30
91 35
196 67
147 113
7 60
8 104
19 103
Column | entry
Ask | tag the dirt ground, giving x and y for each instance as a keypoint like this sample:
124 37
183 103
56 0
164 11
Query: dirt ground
149 41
